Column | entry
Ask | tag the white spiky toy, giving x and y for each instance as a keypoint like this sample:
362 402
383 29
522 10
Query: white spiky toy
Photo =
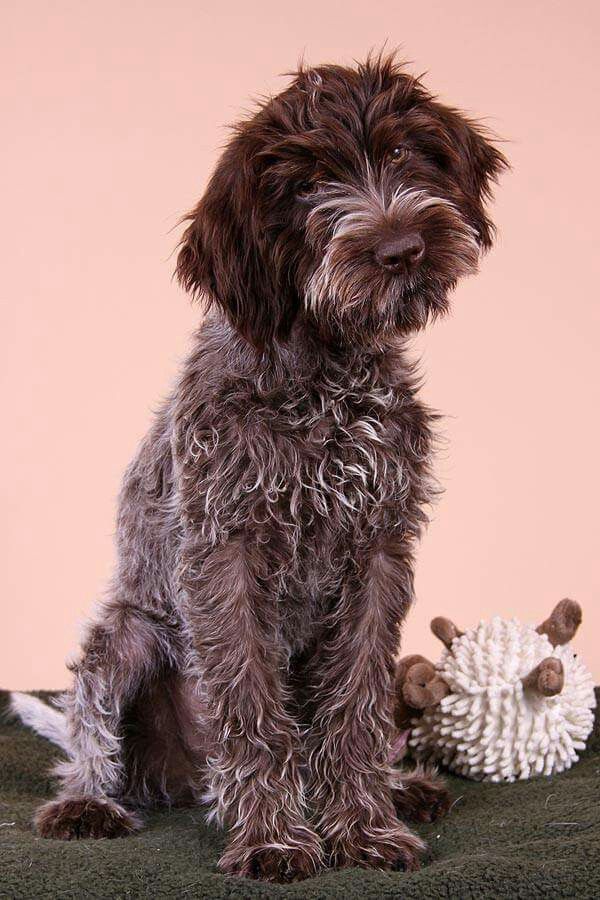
506 701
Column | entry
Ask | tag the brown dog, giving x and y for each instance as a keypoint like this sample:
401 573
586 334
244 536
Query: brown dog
245 650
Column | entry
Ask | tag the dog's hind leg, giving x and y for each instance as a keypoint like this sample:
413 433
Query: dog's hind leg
127 648
135 641
165 745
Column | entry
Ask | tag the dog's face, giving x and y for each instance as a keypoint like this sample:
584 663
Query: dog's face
352 198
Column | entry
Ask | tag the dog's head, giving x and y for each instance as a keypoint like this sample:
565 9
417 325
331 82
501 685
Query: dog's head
353 198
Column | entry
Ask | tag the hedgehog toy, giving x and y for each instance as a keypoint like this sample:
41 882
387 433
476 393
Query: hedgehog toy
506 701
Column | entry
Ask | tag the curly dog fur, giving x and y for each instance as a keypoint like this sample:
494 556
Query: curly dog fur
244 652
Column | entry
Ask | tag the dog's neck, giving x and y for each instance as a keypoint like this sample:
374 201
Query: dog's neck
307 358
308 353
305 362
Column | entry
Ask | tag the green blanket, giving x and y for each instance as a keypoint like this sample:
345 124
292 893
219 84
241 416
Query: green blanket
539 838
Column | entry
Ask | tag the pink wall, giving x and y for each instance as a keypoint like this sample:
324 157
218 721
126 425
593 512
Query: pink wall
114 114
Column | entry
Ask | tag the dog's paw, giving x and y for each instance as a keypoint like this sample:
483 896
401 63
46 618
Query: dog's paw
84 817
420 797
271 863
394 847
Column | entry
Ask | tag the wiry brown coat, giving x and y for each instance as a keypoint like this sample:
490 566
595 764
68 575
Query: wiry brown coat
267 526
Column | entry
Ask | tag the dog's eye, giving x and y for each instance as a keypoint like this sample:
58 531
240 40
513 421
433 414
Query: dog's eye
304 188
399 154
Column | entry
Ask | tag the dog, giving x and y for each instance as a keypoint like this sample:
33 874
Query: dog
244 652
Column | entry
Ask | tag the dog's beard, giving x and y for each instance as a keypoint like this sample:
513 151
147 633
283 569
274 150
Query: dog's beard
348 290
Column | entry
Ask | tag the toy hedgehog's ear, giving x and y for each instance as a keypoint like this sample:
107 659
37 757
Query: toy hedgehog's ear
547 679
445 630
562 623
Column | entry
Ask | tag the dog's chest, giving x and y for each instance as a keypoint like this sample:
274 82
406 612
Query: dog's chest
312 478
310 468
342 472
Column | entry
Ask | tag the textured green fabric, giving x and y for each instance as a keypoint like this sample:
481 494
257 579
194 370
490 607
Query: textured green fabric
531 839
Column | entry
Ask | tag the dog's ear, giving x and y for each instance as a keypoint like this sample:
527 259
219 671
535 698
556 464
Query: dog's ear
479 164
223 255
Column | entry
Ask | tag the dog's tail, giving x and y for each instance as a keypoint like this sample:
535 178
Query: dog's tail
41 718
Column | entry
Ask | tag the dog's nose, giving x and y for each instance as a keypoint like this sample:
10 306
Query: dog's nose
401 254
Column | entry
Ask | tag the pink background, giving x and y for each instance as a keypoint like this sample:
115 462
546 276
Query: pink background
113 117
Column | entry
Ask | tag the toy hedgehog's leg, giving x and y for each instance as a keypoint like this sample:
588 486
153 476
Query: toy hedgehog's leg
547 679
420 795
563 622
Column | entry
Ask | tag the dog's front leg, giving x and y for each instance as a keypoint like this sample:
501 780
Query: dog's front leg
255 782
349 740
